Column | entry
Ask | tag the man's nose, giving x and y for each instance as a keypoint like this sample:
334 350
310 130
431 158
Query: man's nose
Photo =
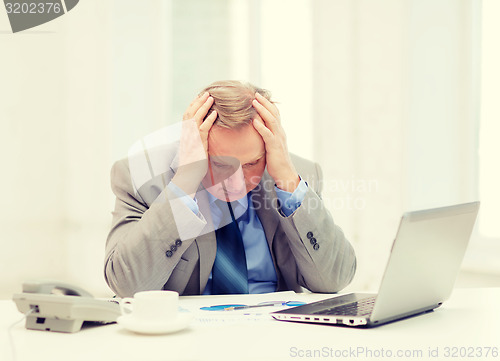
236 179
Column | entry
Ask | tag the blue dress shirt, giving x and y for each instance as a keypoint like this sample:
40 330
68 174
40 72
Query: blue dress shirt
261 273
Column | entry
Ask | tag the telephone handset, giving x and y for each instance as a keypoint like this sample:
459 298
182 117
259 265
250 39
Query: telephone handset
52 305
52 286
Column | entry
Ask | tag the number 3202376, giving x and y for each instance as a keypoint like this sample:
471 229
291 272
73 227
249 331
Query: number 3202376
33 8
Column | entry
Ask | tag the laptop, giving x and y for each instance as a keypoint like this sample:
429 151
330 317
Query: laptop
424 262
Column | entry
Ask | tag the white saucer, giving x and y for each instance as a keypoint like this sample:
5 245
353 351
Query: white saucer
131 323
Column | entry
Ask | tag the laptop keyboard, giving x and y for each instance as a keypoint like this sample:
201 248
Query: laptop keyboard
362 307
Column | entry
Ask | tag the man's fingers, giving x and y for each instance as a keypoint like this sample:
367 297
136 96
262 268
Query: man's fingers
266 115
207 124
264 132
273 109
195 105
203 110
195 100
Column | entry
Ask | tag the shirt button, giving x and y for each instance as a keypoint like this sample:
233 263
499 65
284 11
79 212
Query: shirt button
316 246
173 248
313 241
178 243
310 235
168 253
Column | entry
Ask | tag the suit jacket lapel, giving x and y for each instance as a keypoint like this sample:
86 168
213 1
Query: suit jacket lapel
207 244
264 200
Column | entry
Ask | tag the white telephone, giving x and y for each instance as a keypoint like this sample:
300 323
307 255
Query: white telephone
61 307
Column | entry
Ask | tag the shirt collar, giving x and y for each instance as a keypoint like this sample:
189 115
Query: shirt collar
240 208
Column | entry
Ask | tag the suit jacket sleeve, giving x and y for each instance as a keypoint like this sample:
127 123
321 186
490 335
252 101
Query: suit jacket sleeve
141 235
325 259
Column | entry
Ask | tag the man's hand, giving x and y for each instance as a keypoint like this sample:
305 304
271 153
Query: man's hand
193 149
279 164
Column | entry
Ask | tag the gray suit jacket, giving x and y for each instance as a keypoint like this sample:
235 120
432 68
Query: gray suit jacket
156 242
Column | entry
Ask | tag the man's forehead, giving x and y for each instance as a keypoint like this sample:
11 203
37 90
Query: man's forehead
243 143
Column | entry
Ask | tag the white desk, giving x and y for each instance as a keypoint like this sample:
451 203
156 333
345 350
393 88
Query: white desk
469 320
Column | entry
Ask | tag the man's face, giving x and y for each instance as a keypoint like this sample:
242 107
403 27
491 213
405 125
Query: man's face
237 159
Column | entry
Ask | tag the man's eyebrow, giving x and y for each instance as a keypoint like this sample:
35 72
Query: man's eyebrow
222 159
257 159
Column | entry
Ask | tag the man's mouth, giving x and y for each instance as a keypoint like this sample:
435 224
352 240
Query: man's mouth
234 193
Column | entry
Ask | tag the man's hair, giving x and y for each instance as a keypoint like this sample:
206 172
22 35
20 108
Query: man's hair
233 102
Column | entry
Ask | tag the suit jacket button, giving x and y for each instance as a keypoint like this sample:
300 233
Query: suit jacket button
168 253
173 248
178 243
313 241
310 234
316 246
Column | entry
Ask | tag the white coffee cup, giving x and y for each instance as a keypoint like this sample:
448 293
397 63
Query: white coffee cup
157 306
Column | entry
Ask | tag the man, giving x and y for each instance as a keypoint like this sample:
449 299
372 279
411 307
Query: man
231 212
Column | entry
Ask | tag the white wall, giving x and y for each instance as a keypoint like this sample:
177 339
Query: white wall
359 129
396 101
57 149
32 131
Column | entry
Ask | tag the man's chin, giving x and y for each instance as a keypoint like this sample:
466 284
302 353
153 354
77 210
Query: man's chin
230 196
